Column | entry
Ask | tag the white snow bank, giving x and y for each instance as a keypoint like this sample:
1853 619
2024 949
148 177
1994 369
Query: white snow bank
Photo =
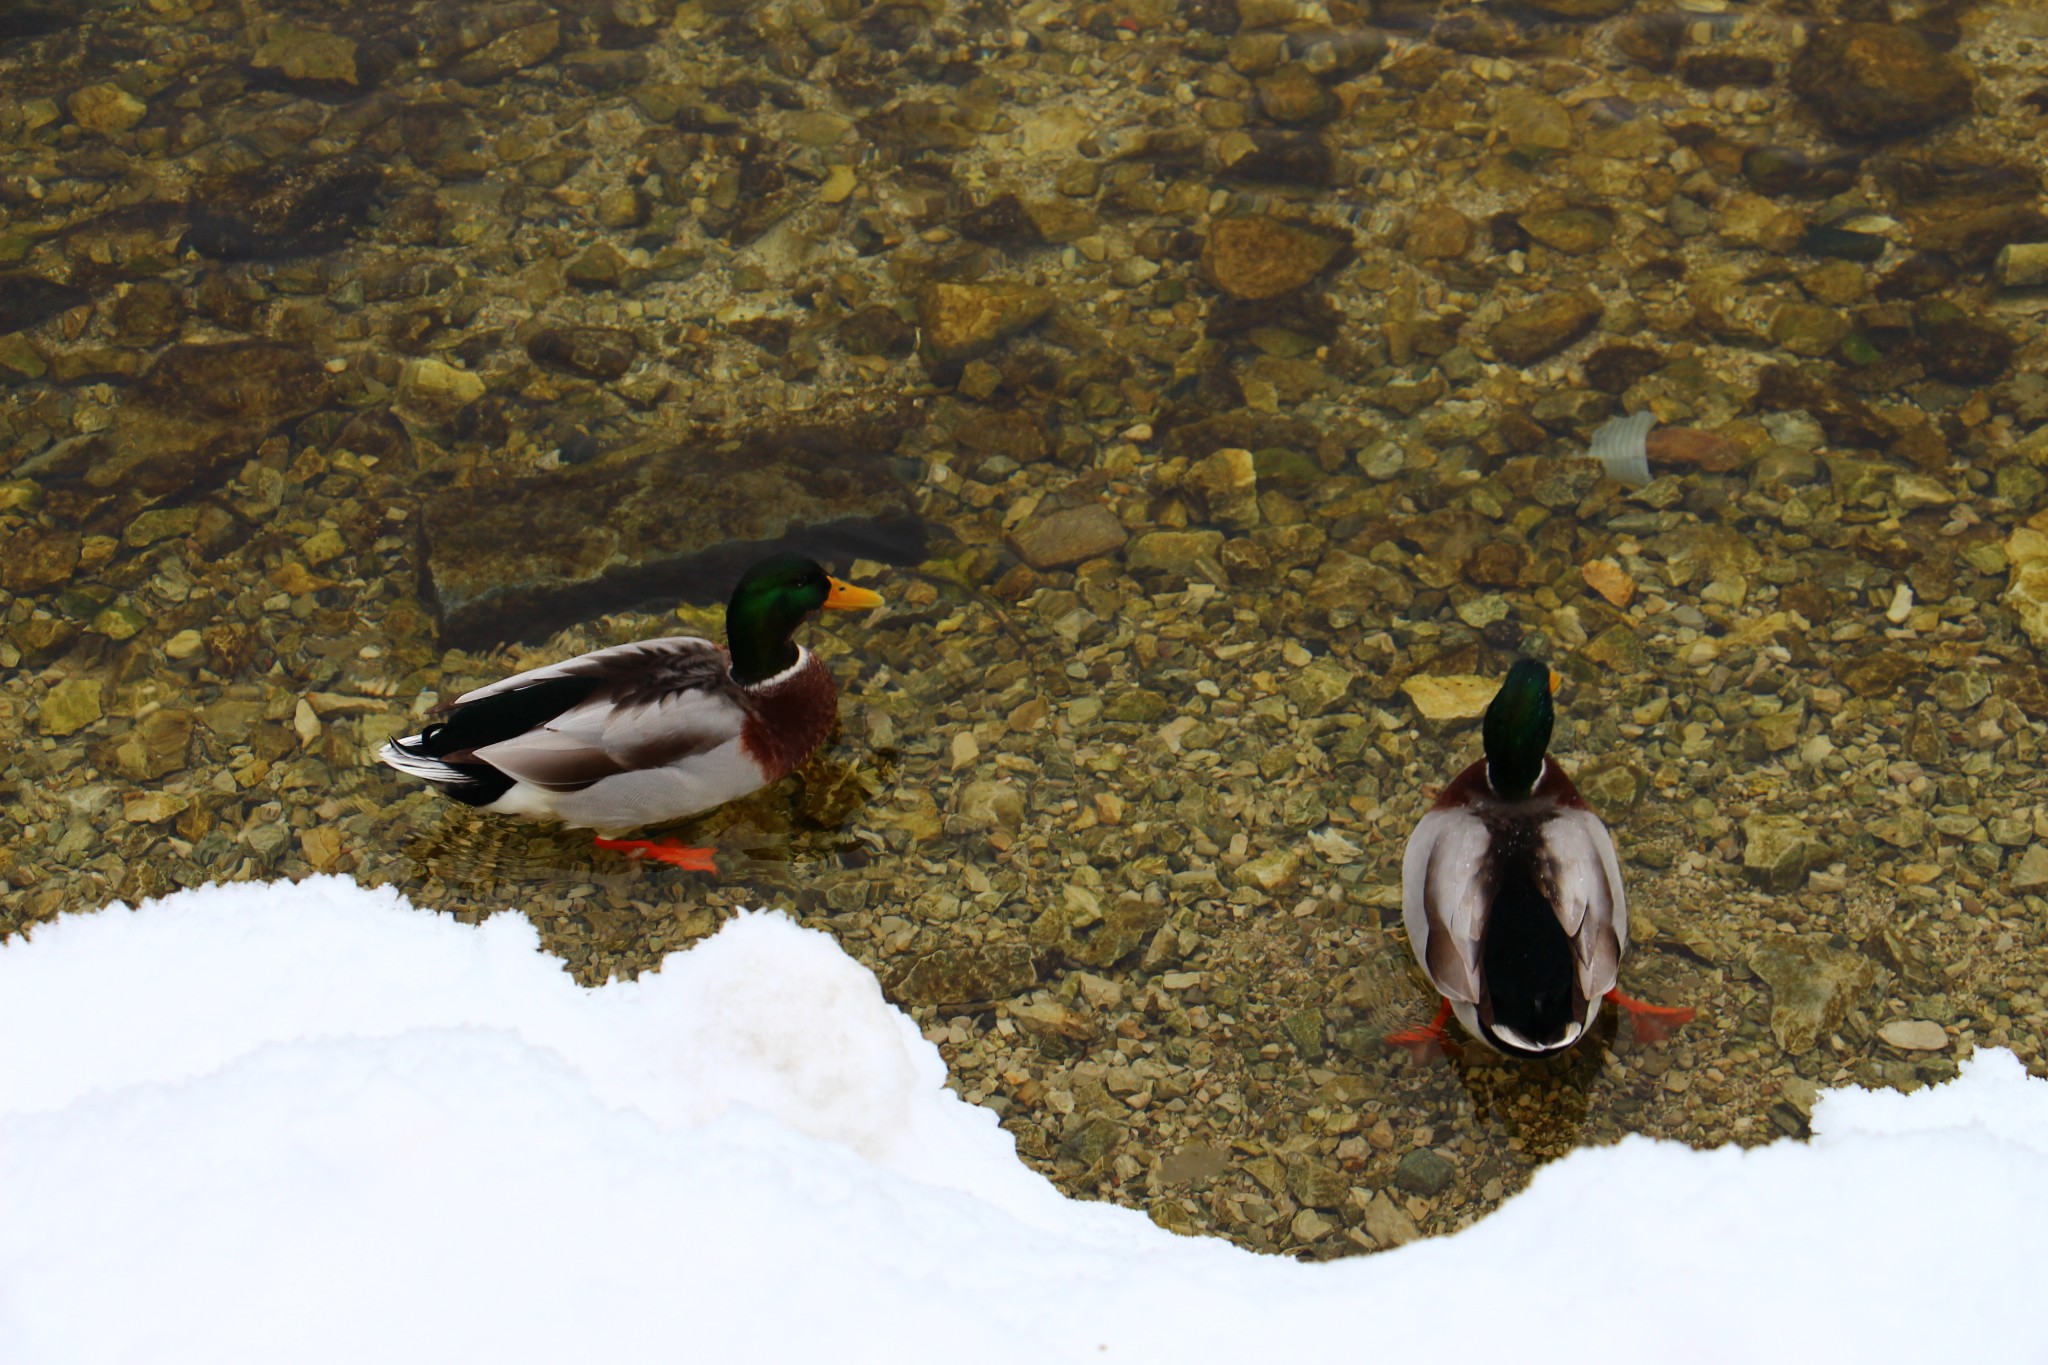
309 1123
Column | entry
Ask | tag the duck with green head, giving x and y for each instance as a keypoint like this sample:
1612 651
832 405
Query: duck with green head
651 732
1512 894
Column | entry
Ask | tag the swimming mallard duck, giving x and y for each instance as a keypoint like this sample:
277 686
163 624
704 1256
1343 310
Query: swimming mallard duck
1512 894
646 733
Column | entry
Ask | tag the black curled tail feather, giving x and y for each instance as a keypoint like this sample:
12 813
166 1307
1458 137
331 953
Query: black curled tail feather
474 784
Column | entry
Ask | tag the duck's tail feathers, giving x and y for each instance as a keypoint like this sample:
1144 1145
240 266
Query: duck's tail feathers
473 784
405 755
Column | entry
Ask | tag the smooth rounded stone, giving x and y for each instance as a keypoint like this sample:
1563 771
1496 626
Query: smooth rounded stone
962 321
1069 536
1618 365
1291 94
1424 1172
1192 554
958 976
184 645
1813 987
1549 324
312 59
1449 700
438 381
1878 80
990 805
1778 851
34 560
509 52
1808 329
1259 257
69 707
598 266
287 208
1015 433
2031 873
1574 231
2021 265
1580 9
1752 220
1914 1035
600 353
106 109
623 206
1437 232
1227 481
1533 122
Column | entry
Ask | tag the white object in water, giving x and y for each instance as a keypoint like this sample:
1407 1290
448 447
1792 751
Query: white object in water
1622 444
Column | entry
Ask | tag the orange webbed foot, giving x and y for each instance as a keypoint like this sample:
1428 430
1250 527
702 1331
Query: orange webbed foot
1652 1023
1428 1042
663 851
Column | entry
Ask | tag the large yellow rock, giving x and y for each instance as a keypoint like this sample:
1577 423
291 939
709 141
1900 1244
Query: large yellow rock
1450 700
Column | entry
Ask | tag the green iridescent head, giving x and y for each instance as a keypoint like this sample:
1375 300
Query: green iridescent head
774 598
1517 729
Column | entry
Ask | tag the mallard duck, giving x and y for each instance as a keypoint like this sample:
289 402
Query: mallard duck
1512 895
646 733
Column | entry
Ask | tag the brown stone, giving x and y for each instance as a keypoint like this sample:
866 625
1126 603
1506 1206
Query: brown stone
1550 324
34 560
509 52
1290 94
1071 535
962 321
599 353
1576 232
1878 80
1258 257
1437 232
1707 450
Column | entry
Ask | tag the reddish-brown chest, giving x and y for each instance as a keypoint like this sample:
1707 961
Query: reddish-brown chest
788 719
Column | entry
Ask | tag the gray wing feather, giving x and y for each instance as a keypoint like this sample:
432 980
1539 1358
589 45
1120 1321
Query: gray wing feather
662 701
659 665
1585 879
1444 894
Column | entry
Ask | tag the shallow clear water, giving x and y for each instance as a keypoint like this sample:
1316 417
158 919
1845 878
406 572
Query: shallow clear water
1237 363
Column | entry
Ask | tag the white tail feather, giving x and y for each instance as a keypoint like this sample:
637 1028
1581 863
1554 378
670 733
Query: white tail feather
420 765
